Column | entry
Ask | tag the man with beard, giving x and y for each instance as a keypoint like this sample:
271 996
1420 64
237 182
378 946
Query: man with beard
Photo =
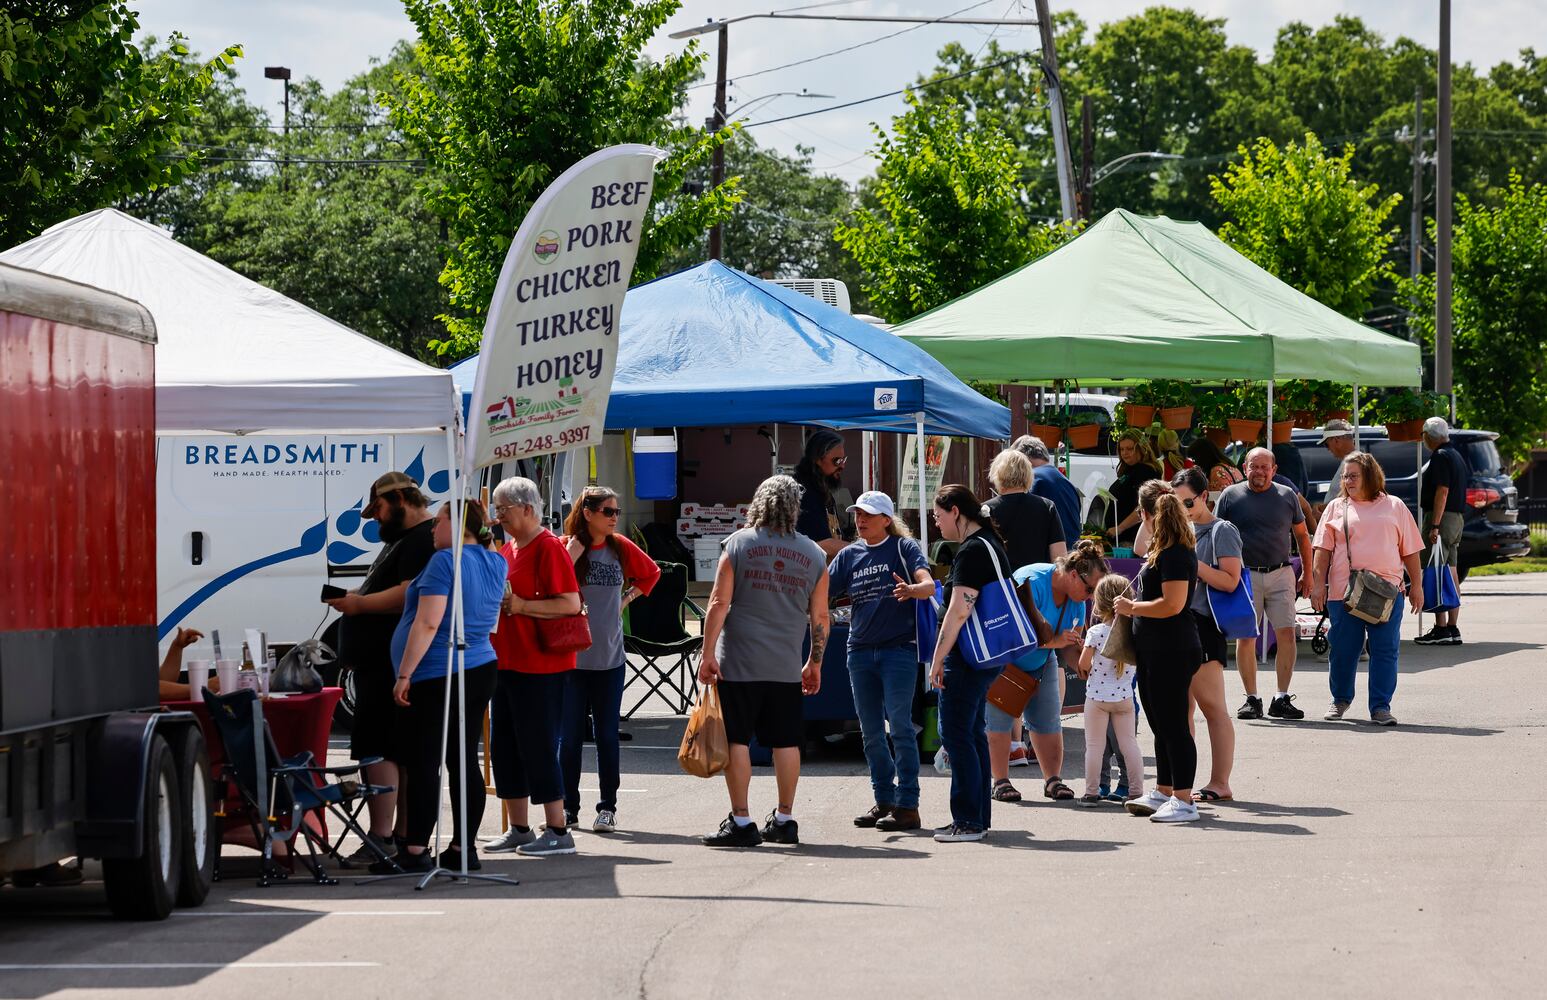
371 613
820 474
1269 517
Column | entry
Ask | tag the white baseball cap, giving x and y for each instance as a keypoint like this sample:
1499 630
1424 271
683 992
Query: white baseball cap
875 502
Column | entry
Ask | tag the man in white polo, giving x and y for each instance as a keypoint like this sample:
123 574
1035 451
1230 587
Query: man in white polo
1268 516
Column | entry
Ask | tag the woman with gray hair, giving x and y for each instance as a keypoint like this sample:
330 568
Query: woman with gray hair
771 583
529 690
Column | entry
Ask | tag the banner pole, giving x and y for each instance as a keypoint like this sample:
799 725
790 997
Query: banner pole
918 424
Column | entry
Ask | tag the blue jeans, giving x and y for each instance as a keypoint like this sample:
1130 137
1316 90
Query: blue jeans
599 695
882 679
1346 636
965 737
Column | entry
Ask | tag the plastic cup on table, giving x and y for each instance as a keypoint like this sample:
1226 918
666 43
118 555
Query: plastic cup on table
227 672
198 677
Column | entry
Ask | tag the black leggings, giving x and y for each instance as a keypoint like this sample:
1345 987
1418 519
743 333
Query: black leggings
421 745
1164 678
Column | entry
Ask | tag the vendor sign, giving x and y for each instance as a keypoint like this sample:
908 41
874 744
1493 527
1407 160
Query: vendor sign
936 449
550 341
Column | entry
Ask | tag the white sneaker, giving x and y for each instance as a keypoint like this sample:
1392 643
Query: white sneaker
606 821
1175 811
1147 804
508 841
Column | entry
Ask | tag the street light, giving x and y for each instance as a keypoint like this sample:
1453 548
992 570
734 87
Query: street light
746 107
717 122
282 73
1108 169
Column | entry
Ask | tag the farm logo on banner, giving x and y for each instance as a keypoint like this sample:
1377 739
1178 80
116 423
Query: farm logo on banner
550 342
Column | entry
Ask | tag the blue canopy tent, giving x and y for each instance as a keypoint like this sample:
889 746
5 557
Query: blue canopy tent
712 347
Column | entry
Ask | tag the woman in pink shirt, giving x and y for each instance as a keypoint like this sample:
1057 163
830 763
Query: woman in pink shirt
1367 528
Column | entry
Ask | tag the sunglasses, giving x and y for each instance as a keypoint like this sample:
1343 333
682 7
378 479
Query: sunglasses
1188 503
608 511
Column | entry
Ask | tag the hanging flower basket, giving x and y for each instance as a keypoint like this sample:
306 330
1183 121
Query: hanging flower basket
1049 434
1082 437
1305 420
1219 436
1176 418
1138 415
1404 430
1283 431
1245 430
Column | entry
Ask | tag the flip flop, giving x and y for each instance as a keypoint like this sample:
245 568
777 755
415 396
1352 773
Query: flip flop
1209 795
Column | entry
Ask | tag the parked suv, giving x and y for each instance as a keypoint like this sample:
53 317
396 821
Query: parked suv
1491 533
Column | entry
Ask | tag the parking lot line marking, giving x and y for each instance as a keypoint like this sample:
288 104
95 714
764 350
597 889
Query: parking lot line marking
308 913
153 966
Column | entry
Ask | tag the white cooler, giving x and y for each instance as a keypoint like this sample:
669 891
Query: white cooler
706 556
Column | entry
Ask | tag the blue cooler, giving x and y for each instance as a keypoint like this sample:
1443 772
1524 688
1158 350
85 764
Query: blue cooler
655 467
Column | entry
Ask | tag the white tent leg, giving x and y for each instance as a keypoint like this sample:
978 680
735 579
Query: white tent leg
918 423
1356 419
1269 437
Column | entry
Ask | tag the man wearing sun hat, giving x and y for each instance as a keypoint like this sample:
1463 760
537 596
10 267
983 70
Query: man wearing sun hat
1442 500
1337 437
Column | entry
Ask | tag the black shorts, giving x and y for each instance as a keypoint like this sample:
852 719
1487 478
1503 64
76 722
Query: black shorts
377 724
770 710
1210 637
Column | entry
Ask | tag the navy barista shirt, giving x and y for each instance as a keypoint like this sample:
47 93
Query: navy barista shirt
864 572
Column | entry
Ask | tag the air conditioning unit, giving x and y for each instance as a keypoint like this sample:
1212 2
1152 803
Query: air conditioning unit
829 290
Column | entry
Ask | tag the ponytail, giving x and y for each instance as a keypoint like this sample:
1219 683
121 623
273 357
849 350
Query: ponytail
1084 560
1170 524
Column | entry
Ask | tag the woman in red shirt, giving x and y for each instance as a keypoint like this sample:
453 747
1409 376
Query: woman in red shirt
529 692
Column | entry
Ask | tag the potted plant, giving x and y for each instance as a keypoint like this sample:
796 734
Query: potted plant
1251 413
1332 401
1403 411
1174 398
1138 410
1295 399
1212 407
1082 429
1045 424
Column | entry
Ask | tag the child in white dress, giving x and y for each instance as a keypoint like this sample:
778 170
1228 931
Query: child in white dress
1108 697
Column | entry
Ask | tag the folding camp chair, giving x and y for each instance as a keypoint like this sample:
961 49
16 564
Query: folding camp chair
658 631
279 795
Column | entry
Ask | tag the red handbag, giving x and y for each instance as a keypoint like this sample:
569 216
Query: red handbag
569 634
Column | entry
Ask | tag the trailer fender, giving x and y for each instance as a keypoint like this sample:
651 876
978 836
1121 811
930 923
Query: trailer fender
117 754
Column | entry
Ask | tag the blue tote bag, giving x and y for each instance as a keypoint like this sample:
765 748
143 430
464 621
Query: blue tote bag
926 624
1439 586
1233 611
998 629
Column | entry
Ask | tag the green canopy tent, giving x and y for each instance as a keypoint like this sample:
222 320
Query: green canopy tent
1135 297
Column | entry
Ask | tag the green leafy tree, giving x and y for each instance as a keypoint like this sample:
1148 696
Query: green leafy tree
1499 345
949 211
508 94
87 118
1297 212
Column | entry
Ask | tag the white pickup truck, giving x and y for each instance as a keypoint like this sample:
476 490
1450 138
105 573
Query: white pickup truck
1089 473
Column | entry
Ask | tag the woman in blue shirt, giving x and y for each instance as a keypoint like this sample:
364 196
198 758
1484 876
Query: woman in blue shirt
882 573
421 651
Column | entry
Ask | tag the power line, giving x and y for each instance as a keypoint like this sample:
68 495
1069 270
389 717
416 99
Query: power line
891 93
848 48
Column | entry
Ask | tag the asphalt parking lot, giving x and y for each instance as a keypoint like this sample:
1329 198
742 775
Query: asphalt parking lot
1358 860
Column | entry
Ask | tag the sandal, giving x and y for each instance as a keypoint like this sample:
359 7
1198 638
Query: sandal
1054 788
1209 795
1005 792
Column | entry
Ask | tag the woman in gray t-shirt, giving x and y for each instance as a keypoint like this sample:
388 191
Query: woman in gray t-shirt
1219 566
611 571
770 586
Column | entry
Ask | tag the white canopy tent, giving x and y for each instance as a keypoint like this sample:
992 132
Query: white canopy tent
234 356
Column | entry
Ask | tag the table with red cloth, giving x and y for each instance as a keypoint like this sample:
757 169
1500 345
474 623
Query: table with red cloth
298 721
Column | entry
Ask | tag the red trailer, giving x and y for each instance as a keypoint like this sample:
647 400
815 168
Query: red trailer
89 765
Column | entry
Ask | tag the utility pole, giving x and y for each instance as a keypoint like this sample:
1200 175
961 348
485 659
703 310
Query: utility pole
1442 196
1087 157
717 171
282 73
1417 261
1060 122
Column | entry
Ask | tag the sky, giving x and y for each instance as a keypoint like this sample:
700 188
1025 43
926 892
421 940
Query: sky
332 40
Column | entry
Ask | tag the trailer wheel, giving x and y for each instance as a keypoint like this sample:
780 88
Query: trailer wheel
145 888
201 841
